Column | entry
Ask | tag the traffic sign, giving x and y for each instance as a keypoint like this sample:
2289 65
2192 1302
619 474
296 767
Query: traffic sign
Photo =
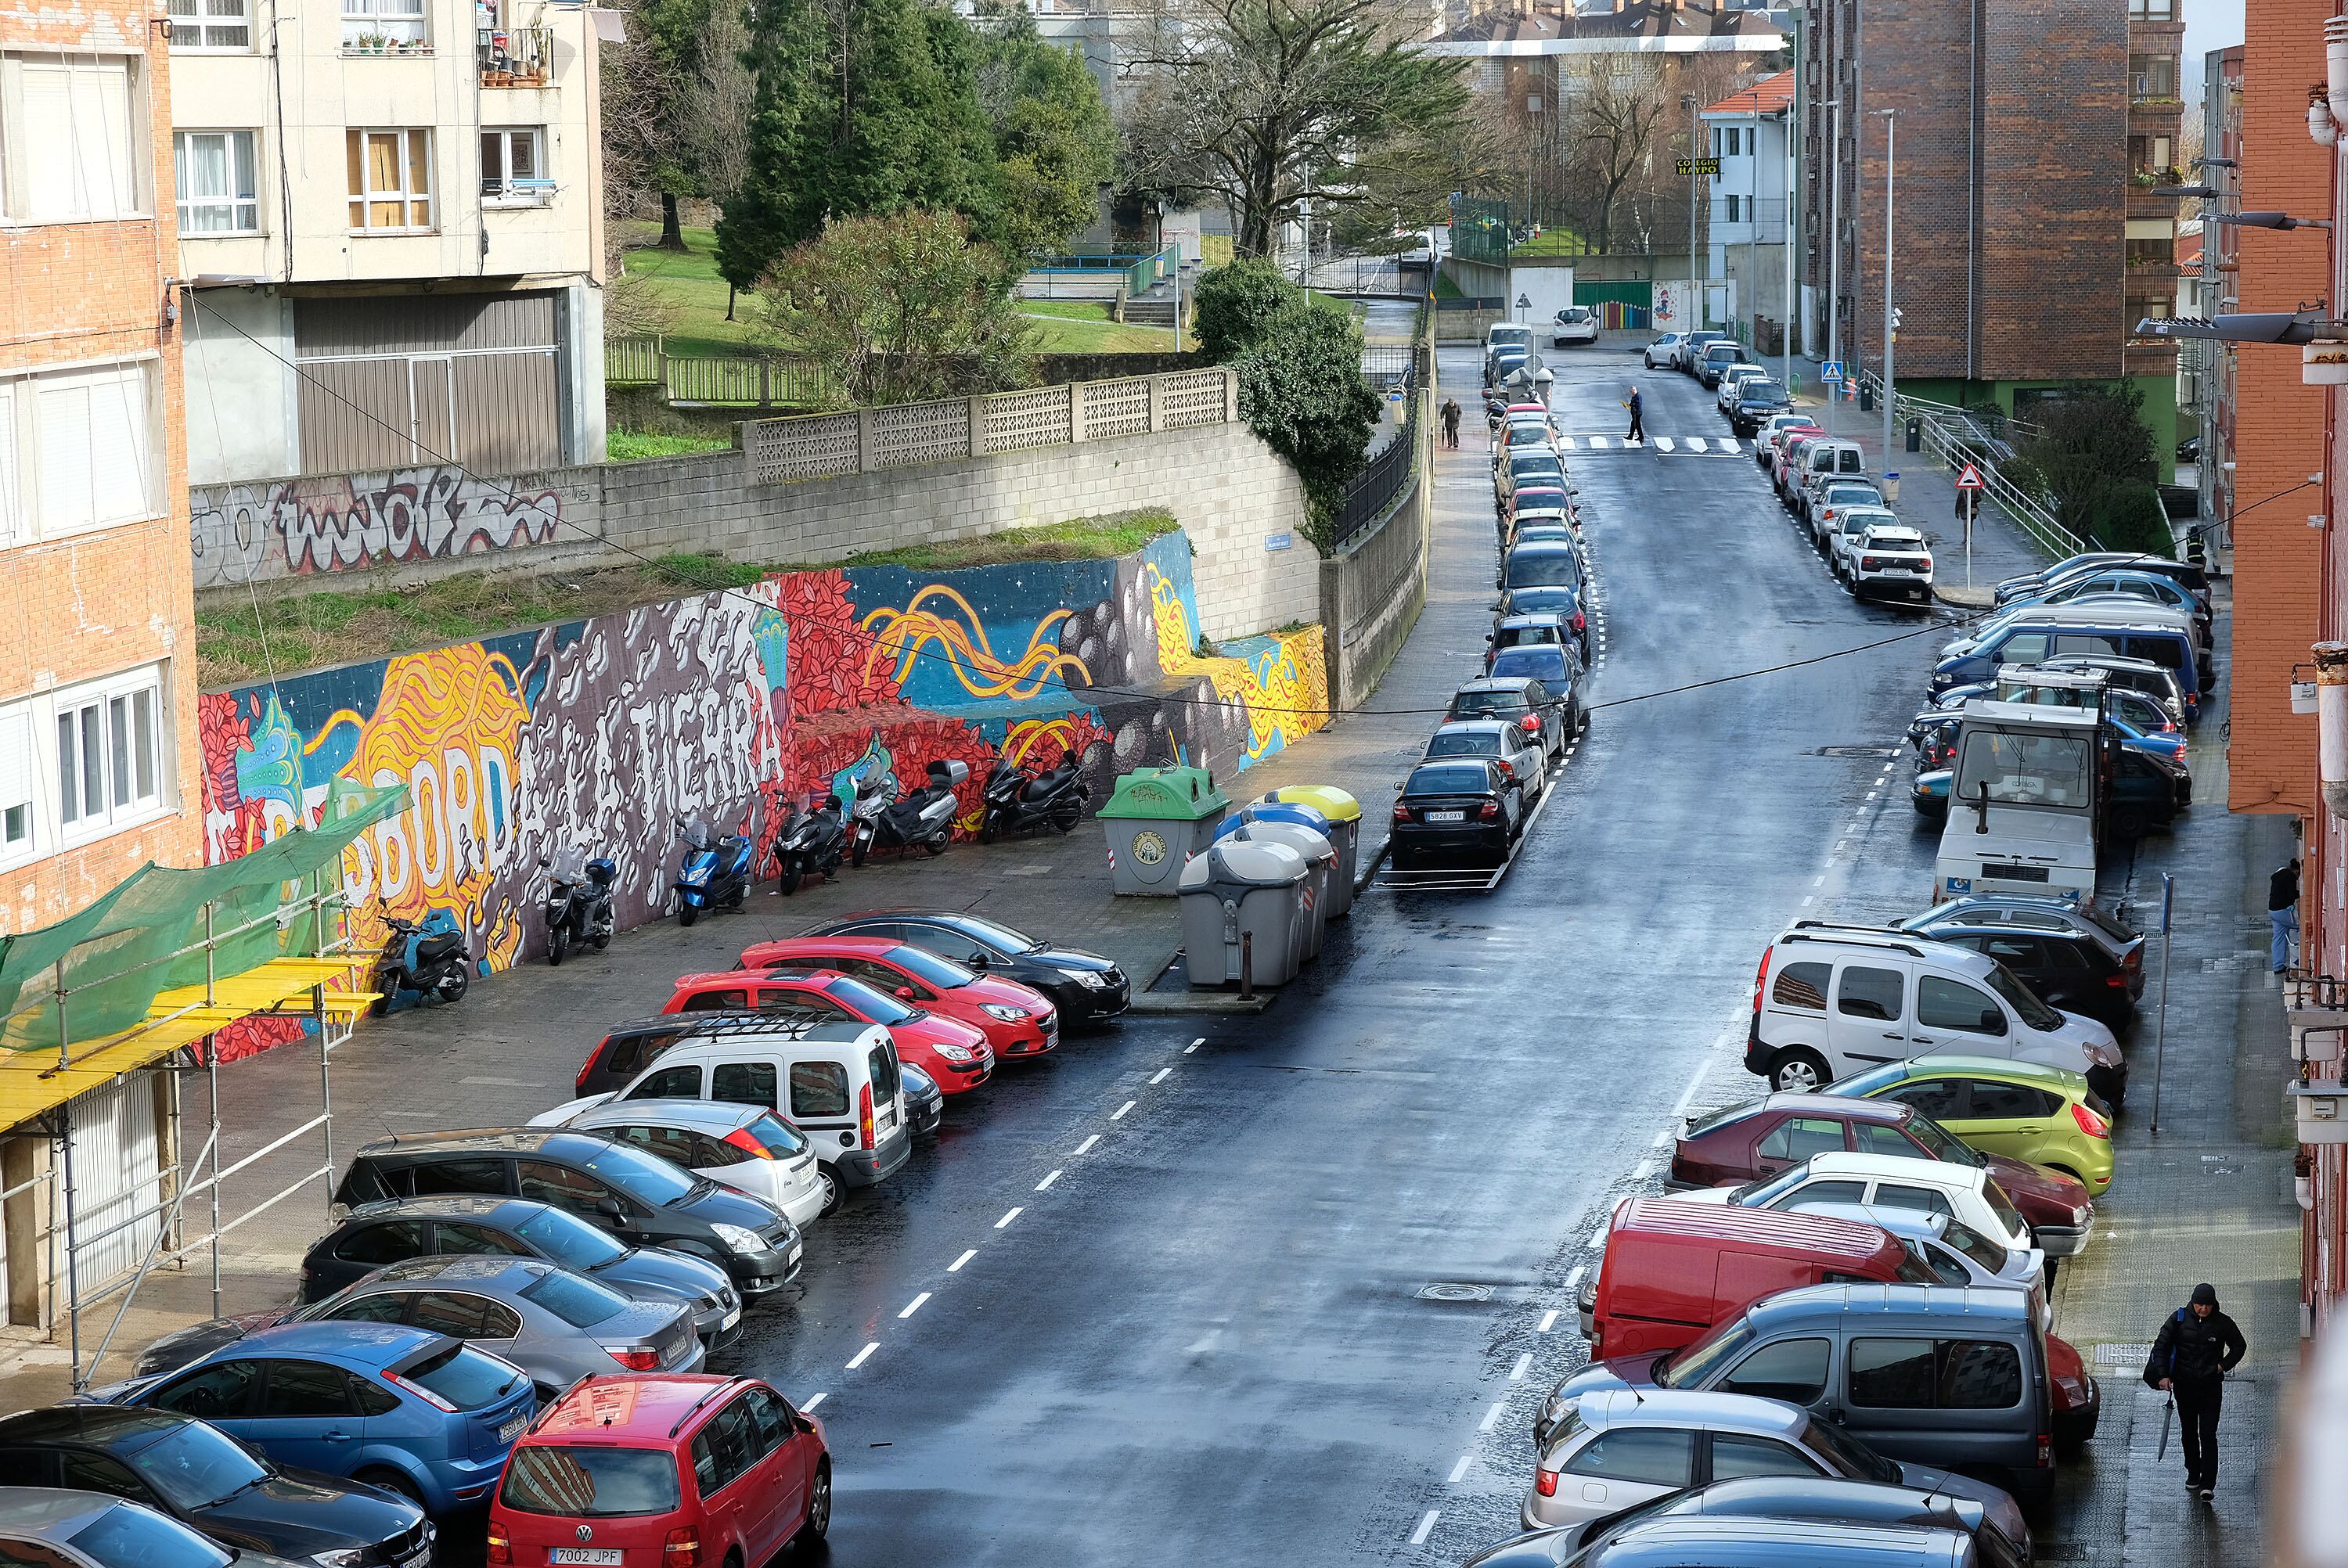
1830 371
1970 479
1699 166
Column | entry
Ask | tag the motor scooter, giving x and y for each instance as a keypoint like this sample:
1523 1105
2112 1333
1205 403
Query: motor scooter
1017 800
420 961
812 843
712 871
924 817
578 902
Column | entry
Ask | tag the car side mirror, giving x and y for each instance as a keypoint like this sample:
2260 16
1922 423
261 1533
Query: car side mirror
1991 1021
977 960
609 1207
905 993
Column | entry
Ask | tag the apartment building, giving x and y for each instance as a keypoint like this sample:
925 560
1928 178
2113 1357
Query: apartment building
2204 366
390 233
1746 135
98 748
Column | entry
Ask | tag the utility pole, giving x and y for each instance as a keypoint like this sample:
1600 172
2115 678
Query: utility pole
1696 154
1793 130
1753 231
1890 316
1834 240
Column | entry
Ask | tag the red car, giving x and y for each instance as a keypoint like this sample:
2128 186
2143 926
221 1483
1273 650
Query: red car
1017 1020
1780 1131
681 1472
948 1049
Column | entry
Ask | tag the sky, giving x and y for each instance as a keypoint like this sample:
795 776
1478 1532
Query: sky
2209 24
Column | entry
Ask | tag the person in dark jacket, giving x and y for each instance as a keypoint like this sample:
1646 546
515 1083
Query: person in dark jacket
1638 407
2283 914
2197 1346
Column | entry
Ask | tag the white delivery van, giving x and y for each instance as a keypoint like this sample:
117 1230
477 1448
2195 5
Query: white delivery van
2025 801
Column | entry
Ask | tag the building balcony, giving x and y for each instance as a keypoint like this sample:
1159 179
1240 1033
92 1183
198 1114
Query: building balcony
2156 112
2143 203
516 56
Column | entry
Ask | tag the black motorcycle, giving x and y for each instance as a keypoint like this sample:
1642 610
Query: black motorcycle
578 903
420 962
812 843
1017 800
924 817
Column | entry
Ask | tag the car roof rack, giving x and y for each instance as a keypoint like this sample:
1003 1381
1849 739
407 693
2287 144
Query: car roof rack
1881 936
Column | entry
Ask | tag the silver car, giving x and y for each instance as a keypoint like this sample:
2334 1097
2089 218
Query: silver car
1956 1251
59 1529
1515 748
746 1147
1612 1448
557 1326
2038 913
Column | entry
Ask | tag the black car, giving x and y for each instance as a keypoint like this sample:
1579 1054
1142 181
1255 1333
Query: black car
1542 566
925 1102
1557 666
1084 987
213 1484
1461 805
640 1198
1757 400
2065 970
1551 599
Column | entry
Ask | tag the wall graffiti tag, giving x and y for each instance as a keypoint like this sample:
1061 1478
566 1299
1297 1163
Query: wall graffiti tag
344 522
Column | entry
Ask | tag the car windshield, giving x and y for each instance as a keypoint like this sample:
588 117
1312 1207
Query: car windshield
1448 781
2034 1013
1548 567
1975 1246
1538 600
569 1240
463 1377
647 1178
1002 939
1854 1458
1938 1139
582 1303
1688 1369
877 1007
2026 768
1464 743
127 1537
2002 1207
781 1138
1759 390
1541 660
587 1483
1487 704
197 1466
944 974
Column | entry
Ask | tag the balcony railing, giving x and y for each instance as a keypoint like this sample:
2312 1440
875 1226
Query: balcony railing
516 56
516 192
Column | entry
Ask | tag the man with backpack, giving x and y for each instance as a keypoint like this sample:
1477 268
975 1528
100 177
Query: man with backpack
2197 1346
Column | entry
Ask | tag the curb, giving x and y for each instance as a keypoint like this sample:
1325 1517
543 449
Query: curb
1154 1003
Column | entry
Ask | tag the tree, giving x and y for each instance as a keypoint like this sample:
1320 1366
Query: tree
1054 144
1235 306
1610 124
2098 464
906 306
1263 105
860 106
1299 372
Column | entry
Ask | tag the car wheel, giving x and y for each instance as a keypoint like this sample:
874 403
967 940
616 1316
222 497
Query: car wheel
1800 1070
819 1514
392 1482
558 941
832 1190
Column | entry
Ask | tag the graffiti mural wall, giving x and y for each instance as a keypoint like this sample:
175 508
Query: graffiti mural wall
603 732
280 528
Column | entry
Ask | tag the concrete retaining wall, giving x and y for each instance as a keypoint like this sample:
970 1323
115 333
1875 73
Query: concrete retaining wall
1372 589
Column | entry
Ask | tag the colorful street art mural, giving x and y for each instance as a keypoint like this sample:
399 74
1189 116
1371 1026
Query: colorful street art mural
280 527
604 733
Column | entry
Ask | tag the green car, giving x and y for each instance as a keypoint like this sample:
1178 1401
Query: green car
2046 1115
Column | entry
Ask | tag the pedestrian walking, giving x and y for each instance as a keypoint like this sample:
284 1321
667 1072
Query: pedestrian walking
2283 914
1451 422
1968 505
2197 1346
1637 405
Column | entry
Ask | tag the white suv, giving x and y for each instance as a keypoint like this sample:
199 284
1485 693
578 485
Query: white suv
1886 561
1575 323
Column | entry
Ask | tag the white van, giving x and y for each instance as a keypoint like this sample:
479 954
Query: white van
2025 801
837 1082
1831 1001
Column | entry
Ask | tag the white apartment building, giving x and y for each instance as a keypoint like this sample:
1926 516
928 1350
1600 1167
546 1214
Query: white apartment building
1746 217
390 234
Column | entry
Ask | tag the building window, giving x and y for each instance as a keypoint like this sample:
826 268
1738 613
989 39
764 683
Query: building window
1490 76
1732 207
390 179
376 26
2152 76
83 761
75 453
17 791
211 25
513 167
2152 10
220 192
75 158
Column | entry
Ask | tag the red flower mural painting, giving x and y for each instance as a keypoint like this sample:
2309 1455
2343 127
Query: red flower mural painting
829 648
222 728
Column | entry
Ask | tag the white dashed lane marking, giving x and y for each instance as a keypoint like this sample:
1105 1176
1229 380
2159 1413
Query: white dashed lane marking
1459 1471
1007 1218
1044 1185
1090 1141
812 1401
955 1267
912 1306
1159 1076
1492 1416
1118 1114
862 1356
1426 1527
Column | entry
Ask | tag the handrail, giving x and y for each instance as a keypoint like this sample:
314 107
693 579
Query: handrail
1934 420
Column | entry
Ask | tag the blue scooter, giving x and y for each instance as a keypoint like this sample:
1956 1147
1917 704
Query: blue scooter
713 871
421 961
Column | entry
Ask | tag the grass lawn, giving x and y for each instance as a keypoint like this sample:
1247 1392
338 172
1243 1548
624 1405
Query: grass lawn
1551 242
1082 326
687 281
625 446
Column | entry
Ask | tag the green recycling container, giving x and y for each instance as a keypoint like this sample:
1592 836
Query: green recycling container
1155 820
1344 814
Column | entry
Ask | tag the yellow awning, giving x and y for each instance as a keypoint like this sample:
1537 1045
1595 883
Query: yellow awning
31 1083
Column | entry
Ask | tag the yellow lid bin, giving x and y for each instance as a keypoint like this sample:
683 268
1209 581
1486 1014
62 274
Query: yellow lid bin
1344 814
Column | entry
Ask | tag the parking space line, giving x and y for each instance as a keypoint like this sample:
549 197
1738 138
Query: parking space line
1426 1527
1547 1322
1524 1365
1642 1170
1011 1215
1118 1114
863 1356
1160 1075
1045 1184
955 1267
1492 1416
1598 1238
1090 1139
1194 1045
1459 1471
1574 1278
912 1306
812 1401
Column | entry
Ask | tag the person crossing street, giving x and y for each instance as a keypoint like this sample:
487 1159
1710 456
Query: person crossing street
1637 405
2197 1347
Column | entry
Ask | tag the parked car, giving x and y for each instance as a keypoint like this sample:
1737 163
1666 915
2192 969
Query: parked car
2122 582
1611 1449
2041 914
403 1410
952 1053
208 1481
1085 987
2143 676
1774 431
1672 1269
2017 1110
1953 1251
1018 1019
839 1085
1691 345
1517 754
2192 578
925 1103
2043 635
626 1048
1557 666
1536 630
640 1198
1941 1187
1662 354
2065 970
1887 562
1758 1140
746 1147
1575 323
1927 1375
1759 401
1534 504
1852 519
1455 807
1519 699
1724 389
1716 358
376 1233
677 1470
1817 457
1822 502
1831 1500
1544 566
46 1528
1565 604
1893 996
1539 467
1778 1543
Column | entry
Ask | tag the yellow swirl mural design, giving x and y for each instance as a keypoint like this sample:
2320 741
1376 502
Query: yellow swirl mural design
1284 688
900 635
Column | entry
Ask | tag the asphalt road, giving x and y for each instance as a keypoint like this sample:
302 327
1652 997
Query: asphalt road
1287 1288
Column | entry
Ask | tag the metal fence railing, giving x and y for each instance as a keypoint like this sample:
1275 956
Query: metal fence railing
1954 438
632 361
1371 491
740 381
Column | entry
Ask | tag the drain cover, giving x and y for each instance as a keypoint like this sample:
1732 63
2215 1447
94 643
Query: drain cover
2122 1354
1855 751
1456 1292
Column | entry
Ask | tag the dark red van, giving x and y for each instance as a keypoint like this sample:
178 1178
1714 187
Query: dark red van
1673 1268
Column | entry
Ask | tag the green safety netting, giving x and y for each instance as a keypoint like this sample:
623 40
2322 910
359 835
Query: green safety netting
113 958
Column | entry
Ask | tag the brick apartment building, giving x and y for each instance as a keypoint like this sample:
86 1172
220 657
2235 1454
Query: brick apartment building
2013 208
98 681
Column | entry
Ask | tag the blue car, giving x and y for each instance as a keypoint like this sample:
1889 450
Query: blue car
407 1409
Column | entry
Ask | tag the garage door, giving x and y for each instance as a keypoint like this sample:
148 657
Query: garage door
115 1177
399 382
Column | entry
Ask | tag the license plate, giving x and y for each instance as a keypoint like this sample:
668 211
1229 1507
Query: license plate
730 1320
603 1556
417 1558
512 1430
1447 816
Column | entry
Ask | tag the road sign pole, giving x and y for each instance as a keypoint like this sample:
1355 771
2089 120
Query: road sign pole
2160 1036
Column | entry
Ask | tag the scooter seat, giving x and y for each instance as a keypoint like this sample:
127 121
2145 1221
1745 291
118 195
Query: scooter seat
432 950
1042 788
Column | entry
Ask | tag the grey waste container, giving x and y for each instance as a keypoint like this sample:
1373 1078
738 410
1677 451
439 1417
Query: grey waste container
1233 890
1344 830
1320 858
1155 820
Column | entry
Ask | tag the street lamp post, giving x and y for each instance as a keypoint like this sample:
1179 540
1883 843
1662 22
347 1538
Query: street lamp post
1890 316
1834 241
1695 154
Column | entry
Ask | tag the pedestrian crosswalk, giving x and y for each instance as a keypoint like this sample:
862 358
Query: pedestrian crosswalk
1661 446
